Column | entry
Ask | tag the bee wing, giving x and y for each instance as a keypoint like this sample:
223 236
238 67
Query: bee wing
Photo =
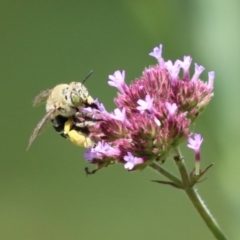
38 128
41 97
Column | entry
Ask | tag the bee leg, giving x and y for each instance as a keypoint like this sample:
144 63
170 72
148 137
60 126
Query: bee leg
67 126
88 172
77 137
82 122
80 139
85 124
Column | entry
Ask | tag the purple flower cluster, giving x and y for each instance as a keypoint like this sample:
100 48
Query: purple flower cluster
153 114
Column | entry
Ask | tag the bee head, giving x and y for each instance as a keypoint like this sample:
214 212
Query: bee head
78 94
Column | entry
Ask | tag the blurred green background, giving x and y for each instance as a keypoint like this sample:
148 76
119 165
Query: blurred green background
44 193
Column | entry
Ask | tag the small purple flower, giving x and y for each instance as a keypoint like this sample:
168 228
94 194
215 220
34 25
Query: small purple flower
99 105
157 53
87 110
173 70
92 111
145 105
211 76
172 108
118 80
100 151
195 144
119 115
91 153
185 65
198 70
131 161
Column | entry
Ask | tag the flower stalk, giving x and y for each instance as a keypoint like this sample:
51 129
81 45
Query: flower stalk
188 187
205 213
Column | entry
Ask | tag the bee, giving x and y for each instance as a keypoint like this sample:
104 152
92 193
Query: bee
62 103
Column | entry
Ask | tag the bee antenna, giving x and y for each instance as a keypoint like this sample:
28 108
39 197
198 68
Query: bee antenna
89 74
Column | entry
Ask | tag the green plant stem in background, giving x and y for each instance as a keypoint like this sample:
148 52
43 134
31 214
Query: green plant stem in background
191 193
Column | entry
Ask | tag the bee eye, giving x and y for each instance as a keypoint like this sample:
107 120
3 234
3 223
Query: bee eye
76 100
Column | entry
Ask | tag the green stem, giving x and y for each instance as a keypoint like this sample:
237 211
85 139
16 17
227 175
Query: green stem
182 169
205 213
196 200
167 174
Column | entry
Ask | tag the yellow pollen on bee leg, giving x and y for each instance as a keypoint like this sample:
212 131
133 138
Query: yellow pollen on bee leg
67 126
76 137
79 139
